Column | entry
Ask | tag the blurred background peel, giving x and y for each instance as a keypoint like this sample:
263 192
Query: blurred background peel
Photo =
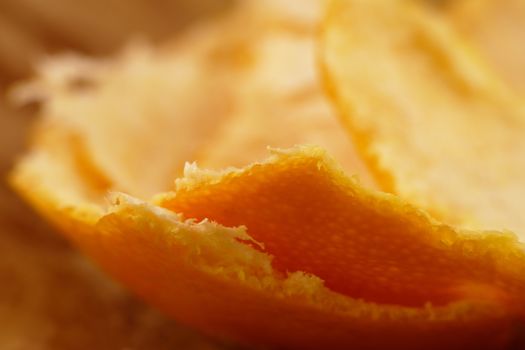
51 297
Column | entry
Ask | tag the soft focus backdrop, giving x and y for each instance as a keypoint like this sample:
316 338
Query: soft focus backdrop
51 297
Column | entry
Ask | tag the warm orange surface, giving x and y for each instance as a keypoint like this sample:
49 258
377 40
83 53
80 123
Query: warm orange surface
496 28
291 252
371 247
245 80
427 112
202 275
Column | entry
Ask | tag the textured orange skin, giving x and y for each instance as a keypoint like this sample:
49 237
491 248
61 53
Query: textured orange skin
424 87
137 248
225 309
314 222
310 218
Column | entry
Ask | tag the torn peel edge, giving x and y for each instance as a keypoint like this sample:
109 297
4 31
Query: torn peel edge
244 264
239 263
204 187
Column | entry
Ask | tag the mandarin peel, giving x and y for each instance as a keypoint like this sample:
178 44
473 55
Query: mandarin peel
289 252
417 90
495 29
260 82
165 249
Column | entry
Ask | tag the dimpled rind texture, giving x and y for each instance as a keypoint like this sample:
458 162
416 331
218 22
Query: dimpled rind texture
223 280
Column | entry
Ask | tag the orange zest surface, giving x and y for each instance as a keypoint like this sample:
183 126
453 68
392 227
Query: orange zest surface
312 219
435 124
394 277
290 252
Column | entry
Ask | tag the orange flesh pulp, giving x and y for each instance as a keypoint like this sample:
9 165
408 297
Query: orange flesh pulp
312 221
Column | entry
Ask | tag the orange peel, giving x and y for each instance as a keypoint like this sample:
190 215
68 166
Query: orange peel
394 277
434 122
289 252
496 28
256 67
